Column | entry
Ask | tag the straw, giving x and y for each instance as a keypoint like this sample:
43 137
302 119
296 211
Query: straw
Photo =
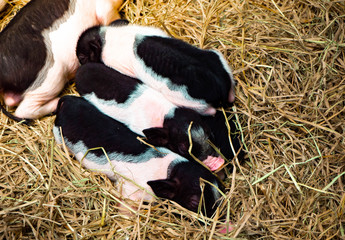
288 59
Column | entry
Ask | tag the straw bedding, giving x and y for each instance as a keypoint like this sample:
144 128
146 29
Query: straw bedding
289 62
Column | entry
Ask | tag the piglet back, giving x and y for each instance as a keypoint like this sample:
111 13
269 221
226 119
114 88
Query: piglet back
19 66
202 71
105 82
81 121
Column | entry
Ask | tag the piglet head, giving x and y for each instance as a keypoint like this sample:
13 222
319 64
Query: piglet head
183 186
174 135
89 46
170 138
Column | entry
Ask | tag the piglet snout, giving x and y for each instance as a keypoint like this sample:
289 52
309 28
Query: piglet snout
226 228
231 95
214 163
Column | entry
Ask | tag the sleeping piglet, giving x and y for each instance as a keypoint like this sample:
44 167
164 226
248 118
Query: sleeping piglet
187 76
162 172
145 111
37 50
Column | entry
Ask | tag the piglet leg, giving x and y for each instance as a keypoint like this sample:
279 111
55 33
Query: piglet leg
30 108
42 100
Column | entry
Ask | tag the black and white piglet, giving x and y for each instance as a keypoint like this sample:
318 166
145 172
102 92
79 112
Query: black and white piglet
187 76
37 50
165 173
145 111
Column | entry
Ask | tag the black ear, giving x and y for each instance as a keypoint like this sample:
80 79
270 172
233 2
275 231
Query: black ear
163 188
95 50
157 136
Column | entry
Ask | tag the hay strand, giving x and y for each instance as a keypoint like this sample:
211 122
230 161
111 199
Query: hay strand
288 59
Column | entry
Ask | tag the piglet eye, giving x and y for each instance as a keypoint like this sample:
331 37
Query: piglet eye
193 203
183 148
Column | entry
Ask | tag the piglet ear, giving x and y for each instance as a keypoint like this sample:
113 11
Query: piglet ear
157 136
95 50
163 188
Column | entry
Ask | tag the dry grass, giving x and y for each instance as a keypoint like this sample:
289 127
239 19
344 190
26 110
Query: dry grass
289 61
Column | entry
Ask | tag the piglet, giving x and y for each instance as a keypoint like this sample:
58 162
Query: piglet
187 76
37 50
145 111
168 175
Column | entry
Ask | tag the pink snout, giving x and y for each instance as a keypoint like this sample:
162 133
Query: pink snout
214 163
231 95
226 228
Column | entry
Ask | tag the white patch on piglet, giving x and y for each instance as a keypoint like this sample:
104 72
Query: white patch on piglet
145 108
119 54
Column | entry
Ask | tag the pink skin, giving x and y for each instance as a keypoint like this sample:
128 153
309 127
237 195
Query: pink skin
214 163
232 95
226 229
210 111
12 99
143 111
